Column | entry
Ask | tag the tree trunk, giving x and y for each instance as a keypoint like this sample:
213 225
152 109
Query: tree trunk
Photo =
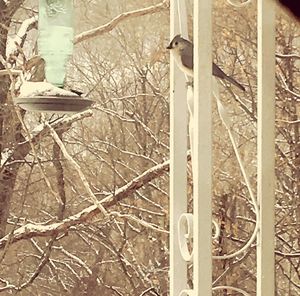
9 129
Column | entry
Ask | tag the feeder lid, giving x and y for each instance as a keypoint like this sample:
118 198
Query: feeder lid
45 97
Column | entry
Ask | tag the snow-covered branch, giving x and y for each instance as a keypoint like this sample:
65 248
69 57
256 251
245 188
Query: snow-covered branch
31 230
287 56
14 43
121 17
37 133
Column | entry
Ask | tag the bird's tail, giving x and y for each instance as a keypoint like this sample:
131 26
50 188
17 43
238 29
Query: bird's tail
234 82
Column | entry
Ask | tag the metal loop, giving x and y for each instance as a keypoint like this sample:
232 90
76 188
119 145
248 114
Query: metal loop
185 232
187 293
238 5
217 230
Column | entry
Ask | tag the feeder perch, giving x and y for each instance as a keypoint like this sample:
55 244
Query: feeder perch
55 46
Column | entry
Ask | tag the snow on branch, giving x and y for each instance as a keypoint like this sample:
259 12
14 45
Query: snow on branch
5 155
14 43
36 134
31 230
287 56
121 17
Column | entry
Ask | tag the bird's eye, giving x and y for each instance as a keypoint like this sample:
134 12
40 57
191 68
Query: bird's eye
176 43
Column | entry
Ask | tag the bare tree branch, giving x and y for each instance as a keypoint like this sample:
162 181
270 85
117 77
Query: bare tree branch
31 230
121 17
41 131
13 6
287 56
288 255
77 169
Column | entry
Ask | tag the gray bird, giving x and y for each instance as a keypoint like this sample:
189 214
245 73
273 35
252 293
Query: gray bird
182 51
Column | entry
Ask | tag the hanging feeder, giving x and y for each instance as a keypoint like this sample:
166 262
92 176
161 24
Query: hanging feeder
55 46
45 97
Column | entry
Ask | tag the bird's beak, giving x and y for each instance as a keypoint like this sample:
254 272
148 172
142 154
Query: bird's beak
169 46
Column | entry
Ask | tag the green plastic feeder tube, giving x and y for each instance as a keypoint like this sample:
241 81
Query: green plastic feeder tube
55 37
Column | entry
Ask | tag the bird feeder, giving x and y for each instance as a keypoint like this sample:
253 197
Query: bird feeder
55 40
55 46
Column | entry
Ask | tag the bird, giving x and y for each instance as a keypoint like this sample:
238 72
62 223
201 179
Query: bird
182 50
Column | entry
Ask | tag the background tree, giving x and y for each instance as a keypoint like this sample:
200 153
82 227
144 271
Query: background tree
55 240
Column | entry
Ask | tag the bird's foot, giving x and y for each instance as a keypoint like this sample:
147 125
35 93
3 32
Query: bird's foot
189 83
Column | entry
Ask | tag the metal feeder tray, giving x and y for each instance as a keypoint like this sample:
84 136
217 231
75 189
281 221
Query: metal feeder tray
54 104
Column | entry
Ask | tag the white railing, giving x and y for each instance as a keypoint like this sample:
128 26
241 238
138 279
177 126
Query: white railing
266 147
198 226
178 159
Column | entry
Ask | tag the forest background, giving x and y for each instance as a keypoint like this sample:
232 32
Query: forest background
54 240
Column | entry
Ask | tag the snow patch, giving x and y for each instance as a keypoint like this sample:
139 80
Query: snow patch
32 89
11 44
39 128
6 153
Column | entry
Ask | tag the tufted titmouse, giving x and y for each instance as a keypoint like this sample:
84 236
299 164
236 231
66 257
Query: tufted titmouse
182 51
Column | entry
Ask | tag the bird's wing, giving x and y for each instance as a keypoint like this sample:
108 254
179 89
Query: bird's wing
187 57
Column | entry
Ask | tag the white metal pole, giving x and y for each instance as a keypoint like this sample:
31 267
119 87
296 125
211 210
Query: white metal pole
265 148
178 162
203 147
182 18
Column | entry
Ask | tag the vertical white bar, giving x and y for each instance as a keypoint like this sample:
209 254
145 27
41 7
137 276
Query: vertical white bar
203 147
182 18
178 163
266 147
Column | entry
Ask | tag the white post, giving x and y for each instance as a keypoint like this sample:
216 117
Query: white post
178 162
203 147
265 148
